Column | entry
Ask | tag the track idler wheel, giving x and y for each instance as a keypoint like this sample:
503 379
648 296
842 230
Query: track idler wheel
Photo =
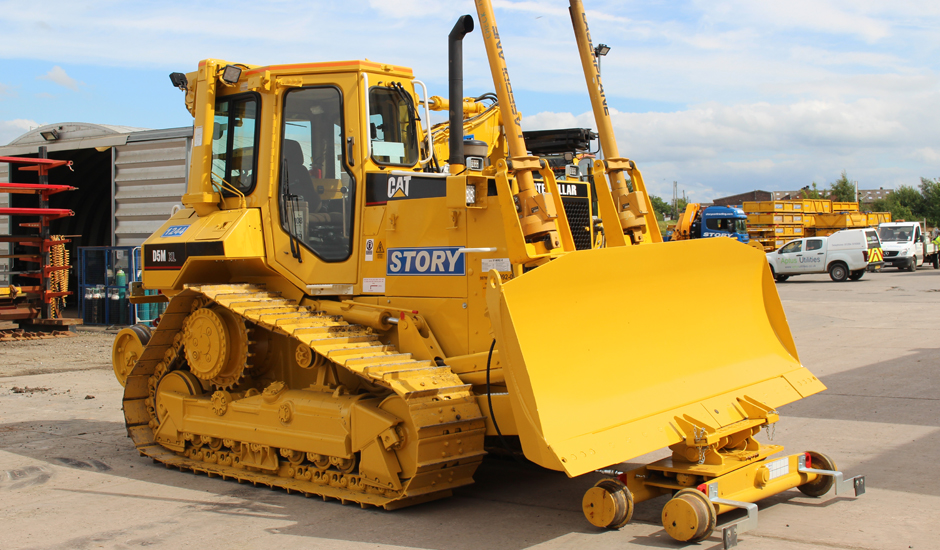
822 484
177 382
127 348
608 504
689 516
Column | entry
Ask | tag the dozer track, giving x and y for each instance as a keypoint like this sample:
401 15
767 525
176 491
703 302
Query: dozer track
441 427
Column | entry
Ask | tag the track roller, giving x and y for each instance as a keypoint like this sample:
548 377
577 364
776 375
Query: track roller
608 504
689 516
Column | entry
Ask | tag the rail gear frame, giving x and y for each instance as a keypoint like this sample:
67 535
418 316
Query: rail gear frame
345 320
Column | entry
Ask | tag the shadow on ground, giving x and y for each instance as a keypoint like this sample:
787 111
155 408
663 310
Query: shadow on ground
484 515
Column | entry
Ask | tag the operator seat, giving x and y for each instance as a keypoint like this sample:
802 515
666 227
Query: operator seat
301 184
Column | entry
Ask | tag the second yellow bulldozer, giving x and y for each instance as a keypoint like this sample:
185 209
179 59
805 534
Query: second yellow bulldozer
348 319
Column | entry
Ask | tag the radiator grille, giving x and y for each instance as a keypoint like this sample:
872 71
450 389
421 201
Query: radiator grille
578 211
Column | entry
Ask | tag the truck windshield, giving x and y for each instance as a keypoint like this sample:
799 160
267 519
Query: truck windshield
899 234
720 224
740 227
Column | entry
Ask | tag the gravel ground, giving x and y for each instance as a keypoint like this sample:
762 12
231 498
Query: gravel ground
84 351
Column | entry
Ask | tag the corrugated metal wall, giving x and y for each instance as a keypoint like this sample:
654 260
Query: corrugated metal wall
149 179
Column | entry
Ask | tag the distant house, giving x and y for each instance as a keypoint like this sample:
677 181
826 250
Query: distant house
749 196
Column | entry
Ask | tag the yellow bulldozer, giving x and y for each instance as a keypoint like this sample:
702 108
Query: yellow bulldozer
351 316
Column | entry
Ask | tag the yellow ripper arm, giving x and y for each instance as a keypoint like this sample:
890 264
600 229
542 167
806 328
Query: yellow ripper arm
618 206
599 377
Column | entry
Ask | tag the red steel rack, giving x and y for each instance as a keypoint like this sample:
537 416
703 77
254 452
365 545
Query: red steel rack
37 305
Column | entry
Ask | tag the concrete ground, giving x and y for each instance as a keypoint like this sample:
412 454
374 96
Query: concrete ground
70 478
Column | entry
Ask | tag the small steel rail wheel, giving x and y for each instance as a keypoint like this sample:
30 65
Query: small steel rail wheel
608 504
689 516
822 484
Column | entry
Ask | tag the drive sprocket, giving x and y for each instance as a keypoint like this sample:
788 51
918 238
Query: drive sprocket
215 342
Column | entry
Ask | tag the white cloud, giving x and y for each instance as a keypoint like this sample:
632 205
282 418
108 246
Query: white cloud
12 129
817 15
57 75
716 150
761 94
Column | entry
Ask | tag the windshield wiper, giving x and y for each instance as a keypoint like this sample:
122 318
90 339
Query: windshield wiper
288 200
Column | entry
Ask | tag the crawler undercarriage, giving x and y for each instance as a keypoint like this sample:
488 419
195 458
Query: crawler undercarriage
239 383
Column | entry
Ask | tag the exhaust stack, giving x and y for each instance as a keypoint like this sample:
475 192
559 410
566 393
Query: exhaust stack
463 26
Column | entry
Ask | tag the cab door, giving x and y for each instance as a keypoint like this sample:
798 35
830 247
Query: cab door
315 187
813 258
789 255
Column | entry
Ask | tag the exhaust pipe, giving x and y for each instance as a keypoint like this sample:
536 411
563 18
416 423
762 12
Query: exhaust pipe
455 90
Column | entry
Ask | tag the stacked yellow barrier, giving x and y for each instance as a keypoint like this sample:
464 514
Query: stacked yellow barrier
775 223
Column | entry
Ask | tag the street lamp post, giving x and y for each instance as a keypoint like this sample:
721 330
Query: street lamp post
600 51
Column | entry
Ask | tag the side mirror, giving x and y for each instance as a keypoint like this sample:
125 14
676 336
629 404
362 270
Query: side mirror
780 251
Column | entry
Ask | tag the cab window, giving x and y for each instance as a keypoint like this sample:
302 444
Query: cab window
795 246
392 123
813 244
234 141
316 191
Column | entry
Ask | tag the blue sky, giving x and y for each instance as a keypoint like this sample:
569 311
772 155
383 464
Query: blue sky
723 96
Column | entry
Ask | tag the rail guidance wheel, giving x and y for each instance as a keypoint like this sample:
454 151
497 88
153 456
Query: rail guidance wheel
822 484
608 504
689 516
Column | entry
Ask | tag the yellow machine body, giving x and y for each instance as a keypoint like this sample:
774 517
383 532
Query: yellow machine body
352 326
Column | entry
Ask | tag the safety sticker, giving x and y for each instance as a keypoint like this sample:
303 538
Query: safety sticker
499 264
373 284
175 231
440 260
370 249
779 468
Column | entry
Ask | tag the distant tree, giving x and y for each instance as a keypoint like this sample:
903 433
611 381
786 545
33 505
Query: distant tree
811 192
909 198
842 189
662 208
890 204
930 194
680 206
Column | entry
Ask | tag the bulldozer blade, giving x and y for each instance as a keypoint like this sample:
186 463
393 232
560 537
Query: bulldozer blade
608 353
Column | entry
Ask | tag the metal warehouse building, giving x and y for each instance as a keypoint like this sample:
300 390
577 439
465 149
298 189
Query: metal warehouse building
129 180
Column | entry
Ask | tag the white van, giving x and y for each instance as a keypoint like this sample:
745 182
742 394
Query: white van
844 255
907 246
